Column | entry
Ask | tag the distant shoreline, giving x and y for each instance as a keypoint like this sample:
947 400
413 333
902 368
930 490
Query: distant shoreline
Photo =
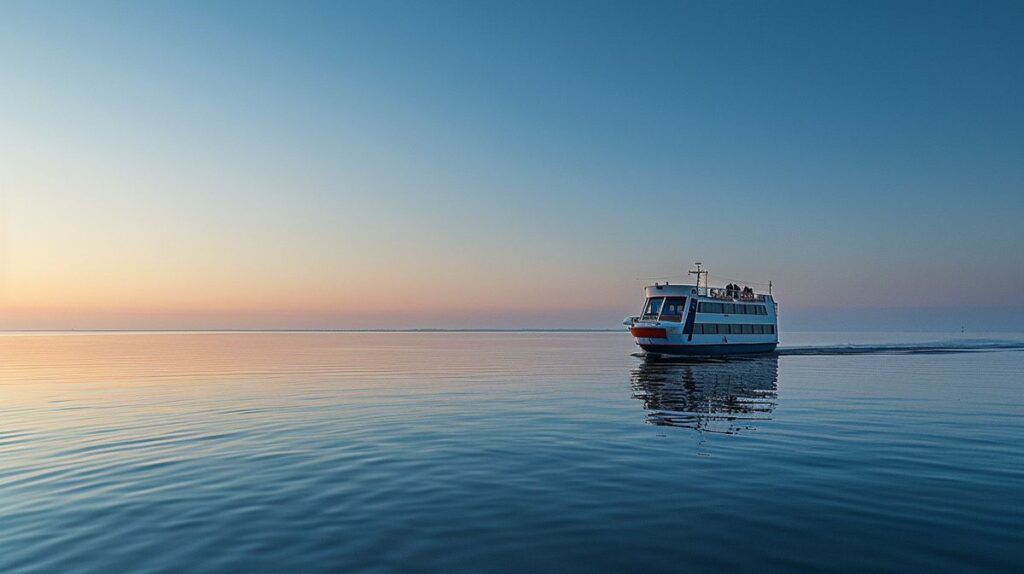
15 331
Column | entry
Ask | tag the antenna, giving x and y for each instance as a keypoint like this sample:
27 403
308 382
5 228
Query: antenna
698 273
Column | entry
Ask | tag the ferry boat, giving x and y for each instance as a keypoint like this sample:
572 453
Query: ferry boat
691 320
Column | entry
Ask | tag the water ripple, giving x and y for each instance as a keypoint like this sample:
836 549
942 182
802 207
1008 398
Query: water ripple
504 452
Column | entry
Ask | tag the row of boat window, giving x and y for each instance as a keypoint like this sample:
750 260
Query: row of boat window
671 308
732 308
732 329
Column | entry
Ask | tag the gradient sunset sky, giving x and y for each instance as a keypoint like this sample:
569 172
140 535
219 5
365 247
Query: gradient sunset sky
507 164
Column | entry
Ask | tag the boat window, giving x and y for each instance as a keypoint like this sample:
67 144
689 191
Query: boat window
653 308
748 329
729 308
674 307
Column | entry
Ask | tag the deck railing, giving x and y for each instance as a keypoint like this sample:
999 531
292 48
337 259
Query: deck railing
735 295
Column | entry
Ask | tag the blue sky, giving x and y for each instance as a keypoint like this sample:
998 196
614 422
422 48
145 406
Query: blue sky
484 164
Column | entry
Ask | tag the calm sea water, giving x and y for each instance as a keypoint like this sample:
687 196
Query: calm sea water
507 452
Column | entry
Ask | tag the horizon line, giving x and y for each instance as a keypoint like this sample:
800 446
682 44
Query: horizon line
411 330
451 330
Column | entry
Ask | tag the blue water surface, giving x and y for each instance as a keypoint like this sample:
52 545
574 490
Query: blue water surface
508 452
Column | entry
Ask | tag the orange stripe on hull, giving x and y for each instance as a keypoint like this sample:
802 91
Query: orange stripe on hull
648 332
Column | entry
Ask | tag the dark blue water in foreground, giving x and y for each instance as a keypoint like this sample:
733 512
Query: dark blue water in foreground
499 452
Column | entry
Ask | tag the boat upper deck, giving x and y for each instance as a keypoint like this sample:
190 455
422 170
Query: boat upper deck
706 293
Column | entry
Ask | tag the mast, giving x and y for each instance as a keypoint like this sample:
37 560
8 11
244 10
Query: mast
698 273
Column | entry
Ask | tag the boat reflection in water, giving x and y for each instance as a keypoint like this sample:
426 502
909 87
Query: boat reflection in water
723 396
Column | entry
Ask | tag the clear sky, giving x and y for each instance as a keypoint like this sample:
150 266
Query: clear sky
513 164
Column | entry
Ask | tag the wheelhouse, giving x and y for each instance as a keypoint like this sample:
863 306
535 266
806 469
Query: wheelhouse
666 302
664 309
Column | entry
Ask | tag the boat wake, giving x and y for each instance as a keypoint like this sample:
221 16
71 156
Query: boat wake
940 348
